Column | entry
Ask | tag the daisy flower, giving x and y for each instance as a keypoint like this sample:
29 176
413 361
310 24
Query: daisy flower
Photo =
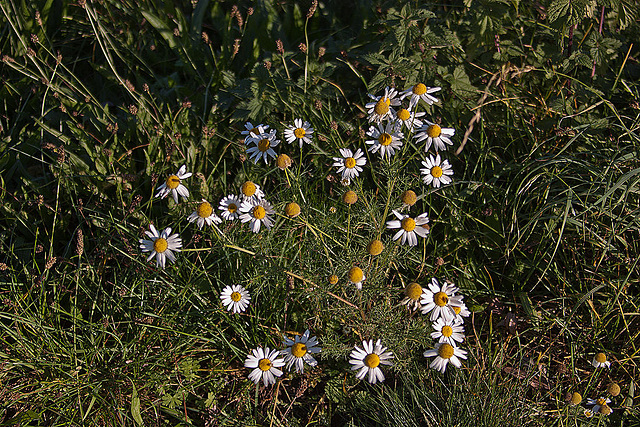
420 92
235 298
386 140
440 300
409 118
263 147
230 207
412 293
448 331
300 350
600 361
445 353
252 130
435 135
349 164
174 185
436 171
256 212
204 214
409 227
598 404
461 311
356 276
162 245
251 191
299 131
368 359
588 413
380 109
265 364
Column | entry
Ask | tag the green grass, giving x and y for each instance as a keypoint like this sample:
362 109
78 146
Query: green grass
101 101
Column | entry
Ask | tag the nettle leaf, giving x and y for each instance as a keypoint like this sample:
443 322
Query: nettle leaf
572 11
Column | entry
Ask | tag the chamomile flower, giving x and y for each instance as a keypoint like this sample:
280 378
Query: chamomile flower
588 413
409 118
600 361
162 245
252 131
263 147
174 185
409 227
420 92
235 298
380 109
251 191
445 353
265 364
368 359
385 139
436 171
230 207
356 276
300 350
440 300
598 404
204 215
412 293
350 164
301 132
256 212
461 311
436 135
448 331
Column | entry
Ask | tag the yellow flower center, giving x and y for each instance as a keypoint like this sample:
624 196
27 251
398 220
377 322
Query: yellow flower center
248 188
613 389
160 245
445 351
333 279
299 133
264 145
420 89
292 209
375 247
403 114
436 171
259 212
409 198
264 364
605 410
601 401
254 131
350 163
350 197
457 309
204 210
232 208
283 161
382 106
235 296
356 275
601 358
385 139
413 291
372 360
299 349
173 182
408 224
576 398
447 331
441 299
434 131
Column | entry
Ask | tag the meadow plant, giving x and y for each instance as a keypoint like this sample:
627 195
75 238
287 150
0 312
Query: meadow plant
398 180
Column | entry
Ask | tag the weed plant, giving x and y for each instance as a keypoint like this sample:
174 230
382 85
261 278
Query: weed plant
103 100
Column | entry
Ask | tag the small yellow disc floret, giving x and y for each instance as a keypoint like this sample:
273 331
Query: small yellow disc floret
409 198
299 349
173 182
160 245
264 364
235 296
441 299
355 274
413 291
372 360
350 197
434 131
375 247
259 212
283 161
403 114
292 209
204 210
248 189
445 351
408 224
333 279
420 89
